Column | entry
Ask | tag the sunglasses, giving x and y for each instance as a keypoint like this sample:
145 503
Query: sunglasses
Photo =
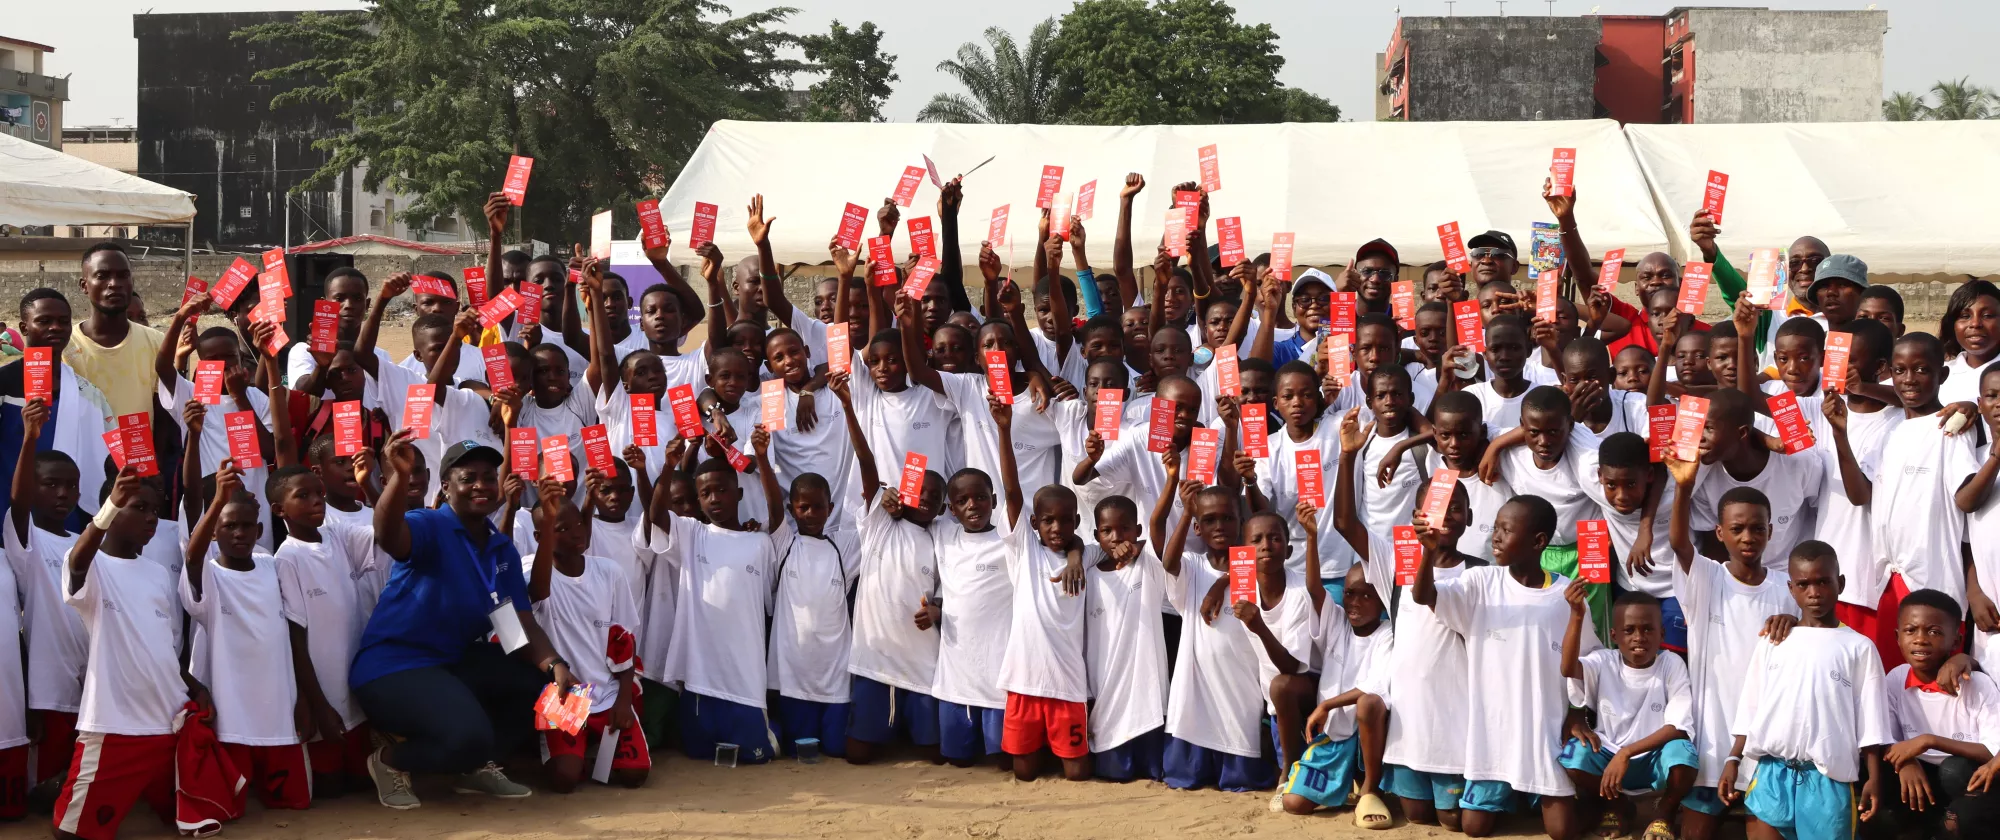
1490 253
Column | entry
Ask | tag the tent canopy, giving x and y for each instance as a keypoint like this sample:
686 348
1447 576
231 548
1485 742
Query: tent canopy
41 186
1333 185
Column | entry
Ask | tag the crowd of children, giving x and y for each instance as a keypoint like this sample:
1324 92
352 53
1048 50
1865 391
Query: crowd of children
1449 549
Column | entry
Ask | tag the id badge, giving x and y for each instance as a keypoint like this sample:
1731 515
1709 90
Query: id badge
507 627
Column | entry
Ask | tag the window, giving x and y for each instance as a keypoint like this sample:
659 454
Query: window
243 212
375 219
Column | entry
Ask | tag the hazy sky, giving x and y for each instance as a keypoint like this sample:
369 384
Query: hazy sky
1329 45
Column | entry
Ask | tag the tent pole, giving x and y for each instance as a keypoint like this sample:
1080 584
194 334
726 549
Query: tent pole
187 255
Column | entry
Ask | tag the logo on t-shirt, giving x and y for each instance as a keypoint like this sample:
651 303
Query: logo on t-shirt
1915 470
1841 678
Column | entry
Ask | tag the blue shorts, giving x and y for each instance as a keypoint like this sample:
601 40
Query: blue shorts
708 721
1188 767
1642 773
1705 800
1143 757
1325 774
1801 802
1442 790
798 719
968 733
1674 625
877 710
1492 796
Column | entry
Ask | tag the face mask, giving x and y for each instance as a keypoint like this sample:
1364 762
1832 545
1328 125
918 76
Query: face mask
1203 355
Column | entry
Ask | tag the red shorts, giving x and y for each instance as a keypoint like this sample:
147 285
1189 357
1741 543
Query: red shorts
1034 721
349 755
14 782
52 753
108 775
278 774
633 752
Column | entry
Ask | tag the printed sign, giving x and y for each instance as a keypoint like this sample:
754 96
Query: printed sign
1408 552
418 403
600 235
138 442
346 427
881 262
839 354
1695 278
499 371
773 397
196 287
920 276
1059 217
38 363
1256 430
555 458
1792 426
1714 191
1607 271
1471 331
702 229
652 228
1437 496
911 490
1110 414
1453 244
1086 200
906 186
1305 463
998 379
233 282
597 448
1833 368
687 415
1593 550
524 452
1562 169
1763 282
1281 256
1228 375
996 230
475 286
1211 169
853 219
923 240
240 427
1229 240
1403 303
516 185
1051 183
1242 574
646 420
1660 430
325 326
1689 417
1204 444
1160 425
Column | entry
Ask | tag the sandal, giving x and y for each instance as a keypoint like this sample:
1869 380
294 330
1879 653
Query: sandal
1659 830
1372 813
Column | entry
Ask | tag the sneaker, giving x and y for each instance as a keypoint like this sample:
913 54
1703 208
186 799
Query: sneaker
392 786
490 781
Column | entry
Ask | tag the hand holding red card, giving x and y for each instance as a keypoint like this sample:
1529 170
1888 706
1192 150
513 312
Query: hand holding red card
646 420
597 448
1403 303
138 443
652 228
906 186
687 416
1660 430
475 286
346 428
1229 233
1228 375
244 449
998 378
1593 550
419 402
1792 426
1714 191
37 374
1204 445
1110 415
1833 369
1453 244
923 238
499 371
524 449
1607 271
1437 496
1256 430
852 219
1281 255
773 405
196 287
1471 331
839 354
1312 487
1408 552
921 275
1689 418
1211 170
996 230
516 185
911 491
555 458
1086 200
233 282
326 326
1160 426
1695 278
1242 574
1051 184
1562 172
702 230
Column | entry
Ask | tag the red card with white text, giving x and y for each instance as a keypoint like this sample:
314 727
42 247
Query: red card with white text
1408 552
1256 430
996 230
240 427
1437 496
1403 303
555 458
1340 352
1562 172
1340 312
270 299
233 282
881 262
1713 192
274 264
1211 169
346 427
326 326
1545 297
1086 200
1453 244
1175 231
524 452
600 235
1311 475
923 239
921 274
37 365
1792 426
1607 271
701 230
839 353
773 405
597 448
1045 194
497 309
424 284
1281 255
475 286
1204 445
1229 239
528 304
1593 550
1689 418
1695 278
196 287
1833 369
138 429
1242 574
1160 425
418 403
646 420
207 380
737 460
906 187
499 371
998 379
114 442
1110 415
1471 331
1660 430
279 339
516 185
852 219
1228 376
652 228
687 415
1059 217
910 491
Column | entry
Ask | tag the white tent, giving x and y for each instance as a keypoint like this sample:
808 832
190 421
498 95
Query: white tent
1907 197
1333 185
42 186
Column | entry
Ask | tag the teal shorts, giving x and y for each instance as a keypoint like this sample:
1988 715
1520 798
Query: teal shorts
1642 773
1325 774
1493 797
1442 790
1801 802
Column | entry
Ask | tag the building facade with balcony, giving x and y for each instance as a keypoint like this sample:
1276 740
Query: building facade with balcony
31 101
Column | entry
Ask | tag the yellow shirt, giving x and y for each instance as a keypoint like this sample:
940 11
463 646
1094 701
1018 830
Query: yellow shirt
124 373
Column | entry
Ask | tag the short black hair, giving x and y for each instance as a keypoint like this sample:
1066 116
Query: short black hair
344 271
1725 331
515 256
1871 339
216 332
1624 449
805 481
1541 515
1379 320
1121 503
282 477
1743 496
714 465
890 336
1730 406
1813 551
1934 599
1634 598
53 456
35 296
1296 367
1506 321
1434 306
431 323
1889 297
1806 328
1547 400
1457 402
656 288
1924 342
1256 364
972 472
1589 349
100 247
1397 376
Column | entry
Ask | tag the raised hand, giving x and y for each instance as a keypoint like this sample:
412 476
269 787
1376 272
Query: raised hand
1134 182
758 226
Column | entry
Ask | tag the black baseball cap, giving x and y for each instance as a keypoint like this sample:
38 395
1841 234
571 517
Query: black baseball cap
1494 239
1378 246
469 449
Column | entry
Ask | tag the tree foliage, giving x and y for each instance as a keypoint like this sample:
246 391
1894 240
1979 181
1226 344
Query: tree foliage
1005 85
610 97
1127 62
1903 106
858 74
1956 99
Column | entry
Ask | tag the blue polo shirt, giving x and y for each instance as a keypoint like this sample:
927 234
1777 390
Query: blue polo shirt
437 600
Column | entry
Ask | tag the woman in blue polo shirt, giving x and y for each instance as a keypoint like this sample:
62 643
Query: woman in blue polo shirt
426 671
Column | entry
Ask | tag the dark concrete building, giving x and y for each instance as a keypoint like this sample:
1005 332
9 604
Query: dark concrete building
1492 68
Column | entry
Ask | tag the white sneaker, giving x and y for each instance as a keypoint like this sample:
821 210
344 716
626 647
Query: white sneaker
392 786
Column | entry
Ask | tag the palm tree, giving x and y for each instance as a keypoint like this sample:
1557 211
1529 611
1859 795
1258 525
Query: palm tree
1008 86
1904 107
1959 100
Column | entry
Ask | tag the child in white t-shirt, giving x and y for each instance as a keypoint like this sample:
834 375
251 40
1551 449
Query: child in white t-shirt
1850 436
1920 529
1645 715
1347 727
1982 531
1547 456
1500 395
1635 497
1945 735
318 563
975 561
1126 652
45 493
1737 456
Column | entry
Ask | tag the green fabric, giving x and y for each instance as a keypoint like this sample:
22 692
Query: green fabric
1733 284
656 712
1561 560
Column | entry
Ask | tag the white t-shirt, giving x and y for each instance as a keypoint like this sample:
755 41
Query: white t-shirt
1919 535
1215 700
659 557
1817 697
724 593
1278 480
1842 524
299 363
1514 640
1383 508
471 366
1427 667
1792 484
1725 618
1633 703
1973 716
1624 529
1982 534
1628 414
896 423
1500 413
614 410
1561 485
1292 621
248 652
579 617
754 506
463 415
825 450
898 570
58 646
176 395
13 692
810 635
1126 653
133 614
1034 434
1485 503
974 572
1349 661
1961 384
317 581
813 333
565 418
690 369
1044 652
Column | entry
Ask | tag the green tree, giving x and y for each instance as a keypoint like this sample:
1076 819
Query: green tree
1903 106
1005 86
1306 107
1127 62
610 97
1961 100
858 74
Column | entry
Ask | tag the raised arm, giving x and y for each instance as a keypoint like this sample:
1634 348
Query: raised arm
1855 482
163 361
678 284
194 414
951 270
1656 384
774 497
1059 316
1121 246
392 531
284 447
1346 511
1010 478
33 417
1197 250
864 457
1971 496
603 354
1578 595
1679 531
774 286
498 207
914 355
123 490
228 482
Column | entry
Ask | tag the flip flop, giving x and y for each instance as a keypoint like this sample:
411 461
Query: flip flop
1659 830
1372 813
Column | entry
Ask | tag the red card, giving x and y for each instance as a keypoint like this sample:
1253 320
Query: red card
524 450
1694 288
906 187
1763 283
920 276
555 458
207 380
516 185
1160 425
852 220
1341 307
1211 170
930 166
1305 462
233 282
687 416
1471 331
997 379
600 235
652 228
1051 183
1408 552
996 230
346 427
418 403
326 326
1229 239
1228 376
881 262
737 460
528 304
271 295
424 284
1454 248
1660 430
1176 232
1086 200
702 229
501 306
1204 444
839 353
1437 496
1545 297
1189 200
1340 349
773 404
196 287
1256 430
499 371
911 490
1110 414
1792 426
1281 256
1562 169
1712 195
1607 271
1403 303
274 263
1833 368
114 441
244 448
1689 418
1593 550
1242 574
1059 217
138 429
475 285
646 419
597 448
923 240
37 384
